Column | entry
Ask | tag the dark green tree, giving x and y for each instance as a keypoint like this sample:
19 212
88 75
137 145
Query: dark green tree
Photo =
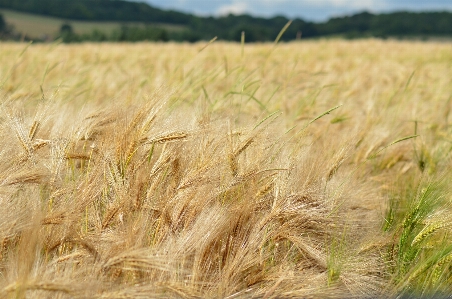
67 33
3 25
6 30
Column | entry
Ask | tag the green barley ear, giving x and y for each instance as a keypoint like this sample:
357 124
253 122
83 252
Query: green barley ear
427 231
392 143
209 43
324 113
280 34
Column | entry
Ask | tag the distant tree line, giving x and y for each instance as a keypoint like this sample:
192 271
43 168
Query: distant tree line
6 30
365 24
97 10
397 24
125 33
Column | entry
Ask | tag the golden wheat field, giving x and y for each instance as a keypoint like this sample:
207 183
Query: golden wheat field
313 169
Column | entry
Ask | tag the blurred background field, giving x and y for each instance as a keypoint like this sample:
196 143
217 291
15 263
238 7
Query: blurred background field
48 28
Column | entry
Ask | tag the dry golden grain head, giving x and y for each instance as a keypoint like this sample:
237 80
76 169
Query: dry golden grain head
76 156
164 138
24 144
340 158
265 189
244 146
33 130
131 149
27 178
40 144
109 215
57 219
233 165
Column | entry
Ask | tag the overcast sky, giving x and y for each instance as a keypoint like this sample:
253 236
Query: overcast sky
312 10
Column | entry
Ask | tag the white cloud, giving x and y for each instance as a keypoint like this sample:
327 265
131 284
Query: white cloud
317 3
234 8
369 4
312 10
290 7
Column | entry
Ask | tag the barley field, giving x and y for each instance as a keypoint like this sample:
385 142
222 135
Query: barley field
312 169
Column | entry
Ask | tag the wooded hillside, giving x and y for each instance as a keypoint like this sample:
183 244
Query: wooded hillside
365 24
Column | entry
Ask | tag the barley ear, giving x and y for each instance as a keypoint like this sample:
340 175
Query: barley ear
427 231
233 164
